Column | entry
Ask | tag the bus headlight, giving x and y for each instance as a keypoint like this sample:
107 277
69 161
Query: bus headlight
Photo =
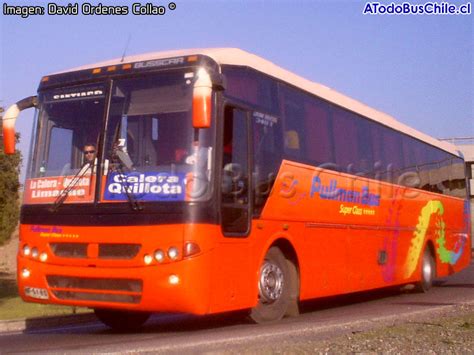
159 255
26 250
173 279
34 253
25 273
173 253
43 257
147 259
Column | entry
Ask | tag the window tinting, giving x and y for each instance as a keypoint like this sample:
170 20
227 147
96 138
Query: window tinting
317 125
319 133
345 144
292 108
267 155
251 87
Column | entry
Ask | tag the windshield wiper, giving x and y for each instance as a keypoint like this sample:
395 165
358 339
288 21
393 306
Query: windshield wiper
123 159
65 192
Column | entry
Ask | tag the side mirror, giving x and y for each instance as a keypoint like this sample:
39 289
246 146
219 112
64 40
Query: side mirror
9 120
202 93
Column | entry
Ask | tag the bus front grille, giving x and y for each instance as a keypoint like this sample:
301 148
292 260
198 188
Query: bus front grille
105 250
96 289
69 250
118 251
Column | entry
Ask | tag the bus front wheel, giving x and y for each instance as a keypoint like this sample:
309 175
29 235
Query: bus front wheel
121 320
428 272
277 288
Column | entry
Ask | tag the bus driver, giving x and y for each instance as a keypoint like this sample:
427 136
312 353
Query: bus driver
89 153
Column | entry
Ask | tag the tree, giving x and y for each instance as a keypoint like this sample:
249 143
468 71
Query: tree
9 185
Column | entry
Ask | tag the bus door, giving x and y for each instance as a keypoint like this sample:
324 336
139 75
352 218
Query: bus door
233 256
235 177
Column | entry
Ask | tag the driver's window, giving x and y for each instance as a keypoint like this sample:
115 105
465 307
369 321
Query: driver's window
235 173
60 151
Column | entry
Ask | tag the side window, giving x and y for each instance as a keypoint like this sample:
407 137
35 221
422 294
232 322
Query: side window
458 178
267 153
319 148
251 87
235 173
409 154
241 85
345 140
378 147
292 108
365 160
393 155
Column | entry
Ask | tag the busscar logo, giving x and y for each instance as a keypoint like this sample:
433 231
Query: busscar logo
79 94
158 63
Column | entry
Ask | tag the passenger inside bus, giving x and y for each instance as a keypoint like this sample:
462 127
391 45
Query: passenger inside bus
180 155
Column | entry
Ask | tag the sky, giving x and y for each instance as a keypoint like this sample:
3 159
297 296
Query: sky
417 68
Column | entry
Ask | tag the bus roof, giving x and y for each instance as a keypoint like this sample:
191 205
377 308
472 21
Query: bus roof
235 56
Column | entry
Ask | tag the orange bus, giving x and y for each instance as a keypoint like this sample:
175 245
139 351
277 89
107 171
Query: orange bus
211 180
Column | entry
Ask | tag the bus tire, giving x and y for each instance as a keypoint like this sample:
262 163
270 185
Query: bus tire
428 272
277 289
121 320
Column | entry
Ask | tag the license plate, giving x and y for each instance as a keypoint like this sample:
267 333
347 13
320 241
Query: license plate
35 292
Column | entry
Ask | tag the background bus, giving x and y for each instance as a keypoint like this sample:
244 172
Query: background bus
223 182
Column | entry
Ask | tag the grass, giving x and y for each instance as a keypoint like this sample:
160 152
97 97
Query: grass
13 307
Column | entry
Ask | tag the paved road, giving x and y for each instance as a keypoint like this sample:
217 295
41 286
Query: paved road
320 320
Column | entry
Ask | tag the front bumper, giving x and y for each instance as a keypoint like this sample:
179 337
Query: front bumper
179 286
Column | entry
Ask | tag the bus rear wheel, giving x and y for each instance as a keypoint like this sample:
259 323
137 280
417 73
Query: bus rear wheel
277 289
428 272
121 320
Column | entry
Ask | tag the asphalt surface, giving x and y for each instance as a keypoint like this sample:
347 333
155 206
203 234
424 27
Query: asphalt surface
322 319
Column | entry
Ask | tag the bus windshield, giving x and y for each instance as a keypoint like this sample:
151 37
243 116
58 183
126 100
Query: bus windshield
162 157
69 119
150 150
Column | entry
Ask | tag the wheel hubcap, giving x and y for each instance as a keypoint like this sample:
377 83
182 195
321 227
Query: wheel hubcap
271 283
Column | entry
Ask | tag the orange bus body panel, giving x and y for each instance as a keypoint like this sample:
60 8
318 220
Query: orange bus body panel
356 233
348 233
